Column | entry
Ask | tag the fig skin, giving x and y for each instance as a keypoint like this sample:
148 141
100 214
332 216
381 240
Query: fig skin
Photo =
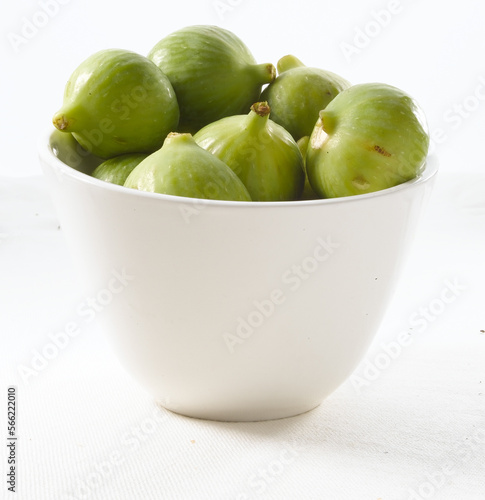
308 193
213 73
299 93
116 102
117 169
182 168
372 136
262 153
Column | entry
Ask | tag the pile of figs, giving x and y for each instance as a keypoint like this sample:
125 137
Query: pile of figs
199 117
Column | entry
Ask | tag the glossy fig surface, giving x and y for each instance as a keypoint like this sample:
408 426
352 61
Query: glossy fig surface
299 93
116 102
372 136
262 153
116 170
213 73
182 168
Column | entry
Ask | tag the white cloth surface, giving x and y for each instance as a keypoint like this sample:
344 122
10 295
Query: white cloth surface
408 424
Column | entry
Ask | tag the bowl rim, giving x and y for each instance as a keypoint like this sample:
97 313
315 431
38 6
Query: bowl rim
47 155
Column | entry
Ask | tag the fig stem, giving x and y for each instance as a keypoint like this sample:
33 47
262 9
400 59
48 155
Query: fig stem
179 137
258 116
61 121
265 72
261 108
288 62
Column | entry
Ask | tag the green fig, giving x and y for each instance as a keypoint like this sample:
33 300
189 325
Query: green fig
182 168
308 193
117 169
262 153
298 94
303 145
117 102
372 136
213 73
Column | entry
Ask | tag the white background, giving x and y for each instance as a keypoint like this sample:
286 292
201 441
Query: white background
416 426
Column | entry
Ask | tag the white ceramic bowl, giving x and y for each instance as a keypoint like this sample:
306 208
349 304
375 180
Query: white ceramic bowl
234 310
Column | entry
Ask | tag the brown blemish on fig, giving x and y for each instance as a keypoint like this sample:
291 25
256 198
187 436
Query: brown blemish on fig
381 150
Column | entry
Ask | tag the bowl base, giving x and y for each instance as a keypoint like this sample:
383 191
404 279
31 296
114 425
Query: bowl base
259 415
